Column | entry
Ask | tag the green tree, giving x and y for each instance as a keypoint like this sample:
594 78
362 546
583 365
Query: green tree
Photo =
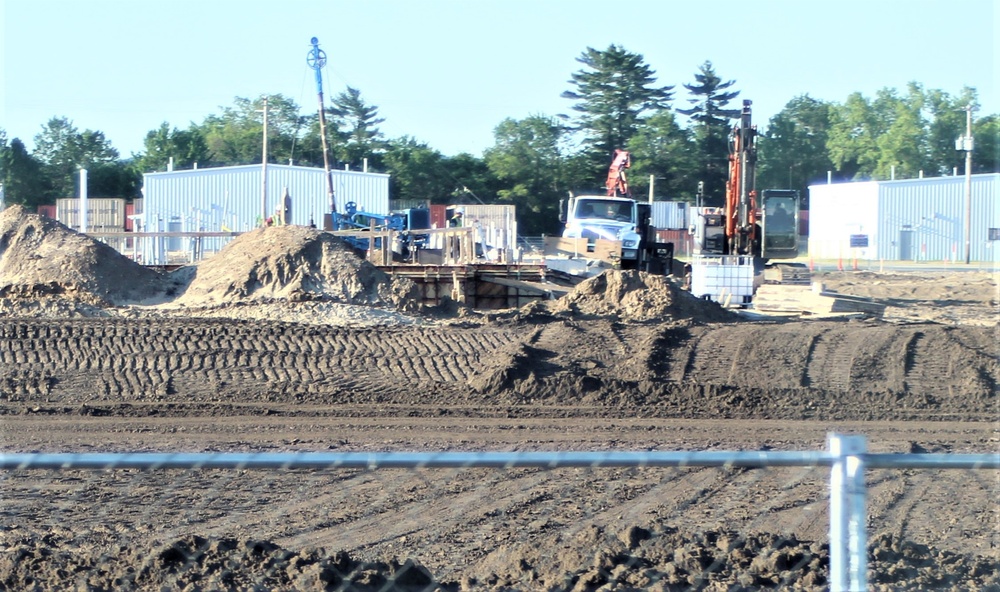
793 152
903 150
526 159
309 151
709 99
947 122
473 180
236 136
186 147
853 136
21 175
986 153
418 172
665 151
614 96
357 123
63 151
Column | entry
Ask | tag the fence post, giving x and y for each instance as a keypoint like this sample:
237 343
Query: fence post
848 517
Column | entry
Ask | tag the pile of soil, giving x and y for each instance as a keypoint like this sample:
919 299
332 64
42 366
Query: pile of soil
40 257
48 269
637 296
293 263
592 559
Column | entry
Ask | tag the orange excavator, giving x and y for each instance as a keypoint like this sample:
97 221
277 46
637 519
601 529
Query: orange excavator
739 239
762 228
740 216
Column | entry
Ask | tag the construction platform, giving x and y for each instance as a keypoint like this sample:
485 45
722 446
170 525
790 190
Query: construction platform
484 286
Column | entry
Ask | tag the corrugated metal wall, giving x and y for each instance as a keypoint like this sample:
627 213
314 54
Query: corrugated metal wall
924 220
906 220
670 215
229 198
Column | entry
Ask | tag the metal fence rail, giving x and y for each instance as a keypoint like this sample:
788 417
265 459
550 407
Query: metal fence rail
846 456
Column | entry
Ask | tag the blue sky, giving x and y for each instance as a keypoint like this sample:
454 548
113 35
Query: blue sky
446 72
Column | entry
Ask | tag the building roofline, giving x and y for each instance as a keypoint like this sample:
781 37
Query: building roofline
241 167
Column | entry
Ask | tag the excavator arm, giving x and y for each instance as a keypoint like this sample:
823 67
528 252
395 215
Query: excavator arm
617 184
741 226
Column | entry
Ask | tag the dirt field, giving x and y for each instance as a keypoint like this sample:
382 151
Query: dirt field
286 341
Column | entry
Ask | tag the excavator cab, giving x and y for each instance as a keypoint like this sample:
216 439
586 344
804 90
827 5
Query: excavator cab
779 228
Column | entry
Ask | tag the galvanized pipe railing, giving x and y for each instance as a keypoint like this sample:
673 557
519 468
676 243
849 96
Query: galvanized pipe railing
846 456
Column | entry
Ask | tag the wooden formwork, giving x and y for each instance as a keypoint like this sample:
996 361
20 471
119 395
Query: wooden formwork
480 286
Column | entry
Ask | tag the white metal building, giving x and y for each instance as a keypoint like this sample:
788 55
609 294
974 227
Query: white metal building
232 198
906 220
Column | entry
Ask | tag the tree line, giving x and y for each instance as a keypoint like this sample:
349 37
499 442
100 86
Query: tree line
614 101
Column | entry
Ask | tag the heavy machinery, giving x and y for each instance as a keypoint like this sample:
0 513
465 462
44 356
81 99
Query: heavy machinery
616 228
733 244
404 224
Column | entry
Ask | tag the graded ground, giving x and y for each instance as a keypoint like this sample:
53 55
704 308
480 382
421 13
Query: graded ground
287 341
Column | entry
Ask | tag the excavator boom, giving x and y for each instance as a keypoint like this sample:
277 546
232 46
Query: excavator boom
741 194
617 184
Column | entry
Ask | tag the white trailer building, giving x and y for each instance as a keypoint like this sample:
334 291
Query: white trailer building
927 219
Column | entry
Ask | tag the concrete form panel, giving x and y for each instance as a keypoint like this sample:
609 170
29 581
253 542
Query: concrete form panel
496 225
104 214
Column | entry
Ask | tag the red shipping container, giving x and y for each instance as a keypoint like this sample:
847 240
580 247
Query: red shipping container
680 238
129 212
439 215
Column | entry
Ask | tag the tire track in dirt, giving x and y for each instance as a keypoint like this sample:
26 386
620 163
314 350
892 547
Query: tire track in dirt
841 369
98 356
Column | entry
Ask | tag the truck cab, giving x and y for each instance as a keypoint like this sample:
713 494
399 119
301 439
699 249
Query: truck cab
601 217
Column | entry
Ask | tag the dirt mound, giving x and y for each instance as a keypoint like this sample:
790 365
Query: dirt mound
593 558
638 296
293 263
40 257
638 559
196 563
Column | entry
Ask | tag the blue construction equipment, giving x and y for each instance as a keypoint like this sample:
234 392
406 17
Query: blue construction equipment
405 224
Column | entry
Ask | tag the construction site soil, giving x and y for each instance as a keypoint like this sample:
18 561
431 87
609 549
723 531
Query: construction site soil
288 341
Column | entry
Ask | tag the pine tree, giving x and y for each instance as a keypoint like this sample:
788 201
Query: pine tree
614 96
710 96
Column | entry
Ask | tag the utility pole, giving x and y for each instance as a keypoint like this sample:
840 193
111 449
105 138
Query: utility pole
965 143
316 60
263 172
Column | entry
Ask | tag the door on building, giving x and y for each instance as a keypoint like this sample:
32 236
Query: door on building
906 244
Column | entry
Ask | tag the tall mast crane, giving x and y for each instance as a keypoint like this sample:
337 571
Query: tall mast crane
316 60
